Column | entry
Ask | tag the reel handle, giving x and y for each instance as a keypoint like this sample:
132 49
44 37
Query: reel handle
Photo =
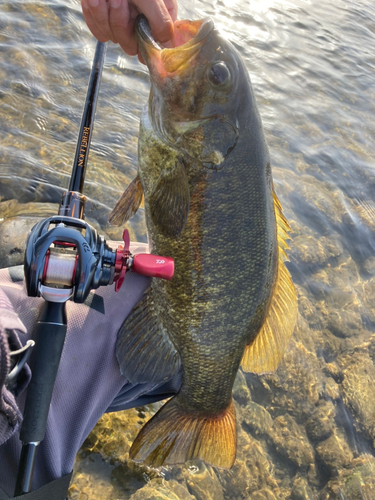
147 264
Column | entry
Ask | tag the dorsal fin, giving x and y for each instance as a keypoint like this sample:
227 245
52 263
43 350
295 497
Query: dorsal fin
268 348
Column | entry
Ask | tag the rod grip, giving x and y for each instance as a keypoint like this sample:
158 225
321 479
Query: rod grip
44 364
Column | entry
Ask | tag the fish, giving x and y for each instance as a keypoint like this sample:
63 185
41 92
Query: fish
205 177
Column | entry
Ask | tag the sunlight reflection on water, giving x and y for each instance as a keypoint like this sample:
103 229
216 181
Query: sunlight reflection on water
312 67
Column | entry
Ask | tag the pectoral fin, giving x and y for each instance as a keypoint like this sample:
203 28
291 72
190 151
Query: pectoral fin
143 349
170 200
268 348
128 204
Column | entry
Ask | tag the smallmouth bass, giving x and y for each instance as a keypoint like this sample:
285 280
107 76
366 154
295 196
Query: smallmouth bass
205 175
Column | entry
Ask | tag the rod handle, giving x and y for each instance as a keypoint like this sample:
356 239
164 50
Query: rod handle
26 469
49 342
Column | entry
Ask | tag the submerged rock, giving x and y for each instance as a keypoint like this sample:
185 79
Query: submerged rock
334 453
263 495
354 483
13 234
252 471
291 442
16 220
241 392
257 420
167 490
358 390
205 485
301 489
321 423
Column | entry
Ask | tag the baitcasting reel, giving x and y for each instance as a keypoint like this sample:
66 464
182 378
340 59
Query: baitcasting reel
66 258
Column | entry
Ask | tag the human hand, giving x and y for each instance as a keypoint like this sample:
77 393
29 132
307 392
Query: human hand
115 19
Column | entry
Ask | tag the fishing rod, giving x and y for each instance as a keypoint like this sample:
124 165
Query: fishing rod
65 259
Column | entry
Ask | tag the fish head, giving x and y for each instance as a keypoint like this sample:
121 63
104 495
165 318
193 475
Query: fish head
200 90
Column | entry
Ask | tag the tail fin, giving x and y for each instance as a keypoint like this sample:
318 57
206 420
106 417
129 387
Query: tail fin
173 437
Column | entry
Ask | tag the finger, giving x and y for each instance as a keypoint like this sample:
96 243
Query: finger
100 15
140 58
161 23
172 8
98 34
123 26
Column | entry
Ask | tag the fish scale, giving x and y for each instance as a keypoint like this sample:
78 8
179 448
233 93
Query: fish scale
205 173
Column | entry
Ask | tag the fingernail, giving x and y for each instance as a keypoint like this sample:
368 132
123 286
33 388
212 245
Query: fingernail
94 3
114 4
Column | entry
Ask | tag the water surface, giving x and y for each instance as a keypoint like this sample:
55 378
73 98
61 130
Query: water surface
307 431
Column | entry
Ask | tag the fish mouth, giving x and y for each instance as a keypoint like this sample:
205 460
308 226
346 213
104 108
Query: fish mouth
189 37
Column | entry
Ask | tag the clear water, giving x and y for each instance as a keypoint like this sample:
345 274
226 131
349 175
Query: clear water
307 431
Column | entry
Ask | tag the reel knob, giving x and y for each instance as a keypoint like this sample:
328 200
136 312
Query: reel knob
153 265
122 256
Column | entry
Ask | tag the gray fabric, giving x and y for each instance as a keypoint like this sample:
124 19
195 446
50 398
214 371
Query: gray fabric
10 416
56 490
89 379
131 396
3 495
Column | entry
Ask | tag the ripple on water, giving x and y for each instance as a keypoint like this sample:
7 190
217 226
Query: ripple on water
306 431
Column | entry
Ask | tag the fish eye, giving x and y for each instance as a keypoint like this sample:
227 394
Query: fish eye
219 74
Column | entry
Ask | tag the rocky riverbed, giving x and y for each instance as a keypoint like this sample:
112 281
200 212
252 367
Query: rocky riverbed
307 431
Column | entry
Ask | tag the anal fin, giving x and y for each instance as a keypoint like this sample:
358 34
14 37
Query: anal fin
143 349
266 351
172 437
128 203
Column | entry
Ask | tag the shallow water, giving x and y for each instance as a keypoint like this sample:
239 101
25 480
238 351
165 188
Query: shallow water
307 431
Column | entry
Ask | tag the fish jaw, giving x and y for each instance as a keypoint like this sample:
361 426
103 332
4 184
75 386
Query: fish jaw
189 39
188 111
